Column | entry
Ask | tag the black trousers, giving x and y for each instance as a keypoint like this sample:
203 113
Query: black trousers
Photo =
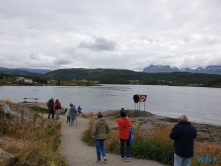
51 112
68 119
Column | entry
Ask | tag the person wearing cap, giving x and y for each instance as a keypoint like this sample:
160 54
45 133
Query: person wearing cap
50 105
99 133
123 110
73 113
183 135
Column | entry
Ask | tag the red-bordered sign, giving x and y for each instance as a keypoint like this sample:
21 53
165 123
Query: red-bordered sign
143 98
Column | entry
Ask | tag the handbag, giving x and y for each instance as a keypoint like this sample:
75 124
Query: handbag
131 135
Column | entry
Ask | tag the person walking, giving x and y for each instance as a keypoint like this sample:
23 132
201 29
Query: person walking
73 113
50 105
183 135
136 99
99 133
67 114
124 134
79 110
56 108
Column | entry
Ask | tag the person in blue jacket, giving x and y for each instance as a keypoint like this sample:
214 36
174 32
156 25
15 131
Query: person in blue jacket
79 110
183 135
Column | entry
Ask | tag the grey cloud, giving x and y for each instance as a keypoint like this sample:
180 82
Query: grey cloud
61 61
211 41
34 56
101 44
69 51
186 40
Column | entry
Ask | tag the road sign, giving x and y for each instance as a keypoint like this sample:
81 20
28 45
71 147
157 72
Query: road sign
143 98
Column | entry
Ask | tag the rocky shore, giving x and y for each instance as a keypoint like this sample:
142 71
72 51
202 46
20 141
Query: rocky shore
10 112
205 132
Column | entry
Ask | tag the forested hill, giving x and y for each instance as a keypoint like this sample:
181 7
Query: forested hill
121 76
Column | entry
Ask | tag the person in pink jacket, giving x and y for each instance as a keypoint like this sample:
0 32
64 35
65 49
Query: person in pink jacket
56 108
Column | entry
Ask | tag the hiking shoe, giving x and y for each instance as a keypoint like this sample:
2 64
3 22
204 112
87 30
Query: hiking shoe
98 161
128 160
105 160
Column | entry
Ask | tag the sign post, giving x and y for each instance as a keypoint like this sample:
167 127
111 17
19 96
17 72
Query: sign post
143 99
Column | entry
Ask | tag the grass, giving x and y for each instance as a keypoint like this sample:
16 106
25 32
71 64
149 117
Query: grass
156 146
38 109
39 143
87 115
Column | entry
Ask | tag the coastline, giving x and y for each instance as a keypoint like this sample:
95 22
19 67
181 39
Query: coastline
205 132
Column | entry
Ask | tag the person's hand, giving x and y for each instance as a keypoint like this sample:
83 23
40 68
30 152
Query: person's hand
93 136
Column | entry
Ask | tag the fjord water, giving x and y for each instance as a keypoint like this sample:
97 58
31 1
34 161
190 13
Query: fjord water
203 105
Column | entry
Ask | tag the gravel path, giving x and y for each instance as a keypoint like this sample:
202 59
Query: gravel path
78 153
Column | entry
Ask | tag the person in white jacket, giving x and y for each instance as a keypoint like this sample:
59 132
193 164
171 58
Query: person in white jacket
67 113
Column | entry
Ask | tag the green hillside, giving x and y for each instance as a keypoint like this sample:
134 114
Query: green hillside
121 76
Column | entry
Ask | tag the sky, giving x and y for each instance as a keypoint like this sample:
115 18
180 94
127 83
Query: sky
118 34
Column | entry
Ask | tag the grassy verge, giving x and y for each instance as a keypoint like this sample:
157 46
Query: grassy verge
39 110
39 142
157 146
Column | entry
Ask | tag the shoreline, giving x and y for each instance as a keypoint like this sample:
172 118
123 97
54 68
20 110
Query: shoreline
205 132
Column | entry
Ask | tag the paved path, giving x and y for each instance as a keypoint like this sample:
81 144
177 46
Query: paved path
78 153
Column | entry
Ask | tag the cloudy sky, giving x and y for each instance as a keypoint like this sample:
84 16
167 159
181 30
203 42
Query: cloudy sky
122 34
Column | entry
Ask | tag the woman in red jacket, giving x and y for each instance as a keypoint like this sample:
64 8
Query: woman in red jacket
124 134
56 108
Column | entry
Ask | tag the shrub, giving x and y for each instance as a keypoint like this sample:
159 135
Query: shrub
40 143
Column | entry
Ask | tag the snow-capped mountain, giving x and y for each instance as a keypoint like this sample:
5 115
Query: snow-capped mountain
165 69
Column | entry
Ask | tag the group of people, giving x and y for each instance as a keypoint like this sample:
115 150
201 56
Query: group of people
71 114
54 107
101 129
182 133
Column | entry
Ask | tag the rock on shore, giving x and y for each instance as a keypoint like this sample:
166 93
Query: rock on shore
205 132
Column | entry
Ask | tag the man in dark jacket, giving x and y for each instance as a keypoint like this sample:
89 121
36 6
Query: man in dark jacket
183 134
136 99
50 105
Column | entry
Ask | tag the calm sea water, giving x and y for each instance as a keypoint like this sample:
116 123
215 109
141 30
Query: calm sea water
203 105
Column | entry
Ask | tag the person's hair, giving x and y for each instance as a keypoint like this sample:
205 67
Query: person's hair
99 114
123 114
183 117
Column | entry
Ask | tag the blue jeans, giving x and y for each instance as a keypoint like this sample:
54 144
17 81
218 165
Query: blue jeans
100 148
181 161
127 148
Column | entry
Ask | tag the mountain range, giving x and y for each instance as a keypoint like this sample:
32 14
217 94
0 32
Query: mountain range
167 69
24 71
213 69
